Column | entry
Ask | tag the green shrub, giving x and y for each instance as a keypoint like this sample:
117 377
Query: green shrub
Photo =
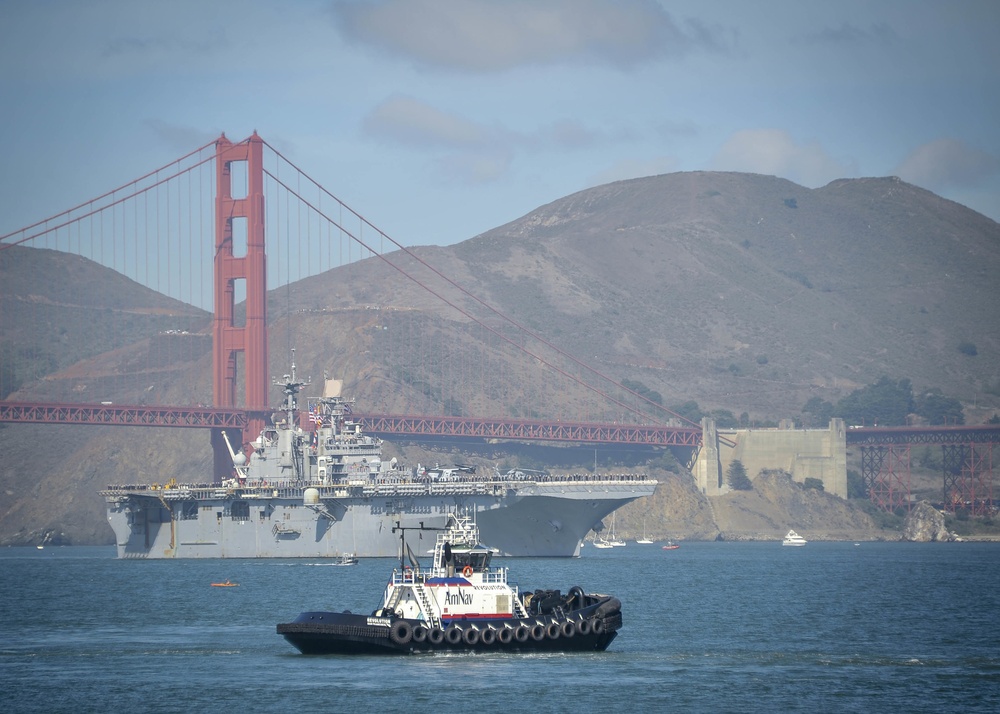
736 476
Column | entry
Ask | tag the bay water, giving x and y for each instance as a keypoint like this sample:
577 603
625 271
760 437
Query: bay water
710 627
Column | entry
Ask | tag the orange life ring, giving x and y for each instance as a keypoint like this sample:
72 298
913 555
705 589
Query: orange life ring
467 571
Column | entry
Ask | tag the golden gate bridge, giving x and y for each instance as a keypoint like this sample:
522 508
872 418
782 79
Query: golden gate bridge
269 223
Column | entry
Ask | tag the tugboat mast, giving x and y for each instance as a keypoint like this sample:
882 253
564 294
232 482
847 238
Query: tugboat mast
403 549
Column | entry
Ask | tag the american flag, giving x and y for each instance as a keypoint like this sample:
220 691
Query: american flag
313 414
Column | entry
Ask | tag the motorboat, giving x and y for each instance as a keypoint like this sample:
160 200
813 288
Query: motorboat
793 538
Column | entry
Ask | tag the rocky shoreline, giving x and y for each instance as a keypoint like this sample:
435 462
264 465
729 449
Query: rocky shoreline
677 511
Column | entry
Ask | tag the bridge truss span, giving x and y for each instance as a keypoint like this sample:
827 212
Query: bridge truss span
122 415
980 434
966 457
528 430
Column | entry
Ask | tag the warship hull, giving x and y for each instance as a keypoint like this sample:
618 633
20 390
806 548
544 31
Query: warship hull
547 518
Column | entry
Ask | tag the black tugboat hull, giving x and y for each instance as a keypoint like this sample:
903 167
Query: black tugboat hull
587 630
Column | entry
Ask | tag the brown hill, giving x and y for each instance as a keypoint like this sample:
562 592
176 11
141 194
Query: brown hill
741 292
59 309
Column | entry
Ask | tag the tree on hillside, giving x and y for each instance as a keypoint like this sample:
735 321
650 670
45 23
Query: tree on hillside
939 409
724 419
641 389
883 403
856 485
689 410
818 412
736 476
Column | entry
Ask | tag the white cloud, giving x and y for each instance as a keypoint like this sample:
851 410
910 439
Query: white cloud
465 152
470 152
110 40
475 167
850 35
775 152
409 121
947 163
487 36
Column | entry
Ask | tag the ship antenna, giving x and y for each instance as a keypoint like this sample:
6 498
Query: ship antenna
290 386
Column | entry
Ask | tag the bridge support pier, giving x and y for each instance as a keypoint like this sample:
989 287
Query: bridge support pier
968 478
707 466
802 453
885 469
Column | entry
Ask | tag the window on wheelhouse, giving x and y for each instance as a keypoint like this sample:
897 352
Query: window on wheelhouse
478 559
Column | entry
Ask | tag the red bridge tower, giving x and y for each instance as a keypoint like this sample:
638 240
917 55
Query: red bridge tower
239 255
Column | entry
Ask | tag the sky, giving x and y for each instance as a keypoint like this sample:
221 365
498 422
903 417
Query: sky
441 119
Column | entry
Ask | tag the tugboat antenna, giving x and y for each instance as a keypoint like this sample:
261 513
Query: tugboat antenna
402 537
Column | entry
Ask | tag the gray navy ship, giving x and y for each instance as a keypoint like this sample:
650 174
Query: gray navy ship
325 492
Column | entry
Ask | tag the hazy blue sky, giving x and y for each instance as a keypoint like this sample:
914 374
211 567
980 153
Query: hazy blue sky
440 119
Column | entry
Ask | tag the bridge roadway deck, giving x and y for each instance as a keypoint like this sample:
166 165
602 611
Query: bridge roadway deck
878 435
380 425
461 428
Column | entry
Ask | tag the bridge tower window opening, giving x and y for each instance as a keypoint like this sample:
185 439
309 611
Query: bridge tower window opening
238 228
239 179
239 290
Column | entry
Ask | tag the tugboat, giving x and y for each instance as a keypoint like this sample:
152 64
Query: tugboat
462 603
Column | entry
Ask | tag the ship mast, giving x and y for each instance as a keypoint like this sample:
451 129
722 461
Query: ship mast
290 386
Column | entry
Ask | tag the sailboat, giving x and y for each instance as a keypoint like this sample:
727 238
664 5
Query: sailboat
613 541
644 540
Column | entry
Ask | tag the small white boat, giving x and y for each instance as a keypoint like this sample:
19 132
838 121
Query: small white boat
793 538
602 544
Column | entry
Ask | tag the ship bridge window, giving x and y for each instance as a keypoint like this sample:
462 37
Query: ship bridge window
240 511
479 560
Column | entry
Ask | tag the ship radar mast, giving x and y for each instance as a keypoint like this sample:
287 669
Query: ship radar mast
290 387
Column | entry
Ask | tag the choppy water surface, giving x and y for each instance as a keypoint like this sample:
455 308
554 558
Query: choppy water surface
711 627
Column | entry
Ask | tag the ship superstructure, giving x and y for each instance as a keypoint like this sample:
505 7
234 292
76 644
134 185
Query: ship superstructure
325 491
